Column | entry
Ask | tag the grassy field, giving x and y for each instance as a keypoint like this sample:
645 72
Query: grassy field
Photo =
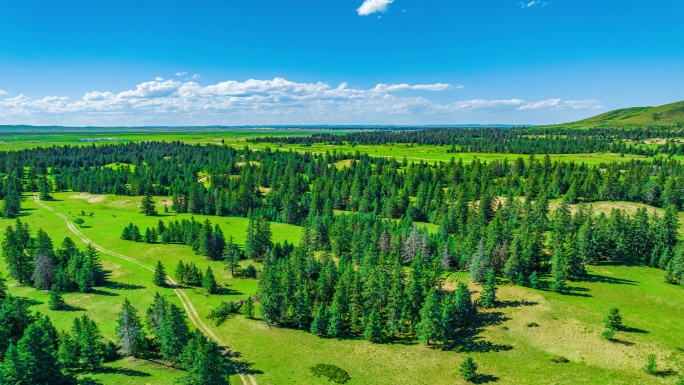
507 350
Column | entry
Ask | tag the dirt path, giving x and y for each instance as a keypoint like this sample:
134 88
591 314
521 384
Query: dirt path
185 301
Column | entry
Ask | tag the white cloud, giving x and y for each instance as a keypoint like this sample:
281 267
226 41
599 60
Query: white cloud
3 92
371 6
275 101
181 73
532 3
416 87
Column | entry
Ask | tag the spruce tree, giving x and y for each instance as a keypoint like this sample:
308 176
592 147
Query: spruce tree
488 297
334 321
68 351
147 205
613 320
430 327
203 363
468 370
32 361
319 325
249 307
373 330
209 282
56 302
173 334
156 314
129 330
159 278
88 338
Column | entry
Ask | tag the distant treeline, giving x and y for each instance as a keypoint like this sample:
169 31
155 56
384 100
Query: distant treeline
514 140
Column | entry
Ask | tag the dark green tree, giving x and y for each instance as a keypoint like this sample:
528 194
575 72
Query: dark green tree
209 282
159 277
488 296
468 370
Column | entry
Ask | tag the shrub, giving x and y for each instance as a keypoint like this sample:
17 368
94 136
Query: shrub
608 334
651 366
332 372
532 325
249 272
222 312
560 360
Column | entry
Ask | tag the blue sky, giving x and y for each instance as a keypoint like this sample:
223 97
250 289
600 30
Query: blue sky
335 61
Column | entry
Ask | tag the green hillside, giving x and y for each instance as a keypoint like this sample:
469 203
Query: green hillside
665 115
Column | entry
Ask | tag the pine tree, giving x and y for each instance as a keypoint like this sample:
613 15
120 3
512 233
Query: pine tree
181 272
468 370
334 321
231 256
534 281
249 307
32 361
147 205
88 338
43 271
319 325
613 320
68 351
430 326
173 334
465 310
373 330
56 302
209 282
156 314
203 363
488 297
129 330
159 278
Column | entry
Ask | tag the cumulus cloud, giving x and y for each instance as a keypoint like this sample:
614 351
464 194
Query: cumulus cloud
371 6
253 101
3 92
181 73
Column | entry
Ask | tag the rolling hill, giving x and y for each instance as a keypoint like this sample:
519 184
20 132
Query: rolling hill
666 115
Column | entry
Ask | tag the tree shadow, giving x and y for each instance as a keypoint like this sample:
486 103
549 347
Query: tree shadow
30 301
88 381
629 329
621 342
487 378
104 293
576 291
228 291
595 278
122 286
123 371
468 339
71 308
665 373
516 303
240 366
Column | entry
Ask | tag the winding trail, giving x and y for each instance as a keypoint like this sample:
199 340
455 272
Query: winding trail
185 301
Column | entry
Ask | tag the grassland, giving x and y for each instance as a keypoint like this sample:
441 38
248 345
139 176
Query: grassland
507 350
666 115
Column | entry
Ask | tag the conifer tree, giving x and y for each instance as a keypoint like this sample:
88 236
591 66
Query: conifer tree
32 361
249 307
56 302
203 363
173 334
488 297
373 330
319 325
334 321
129 330
87 336
156 313
468 370
68 351
147 205
159 278
613 320
209 282
430 327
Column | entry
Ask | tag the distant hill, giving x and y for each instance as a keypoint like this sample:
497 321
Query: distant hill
666 115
